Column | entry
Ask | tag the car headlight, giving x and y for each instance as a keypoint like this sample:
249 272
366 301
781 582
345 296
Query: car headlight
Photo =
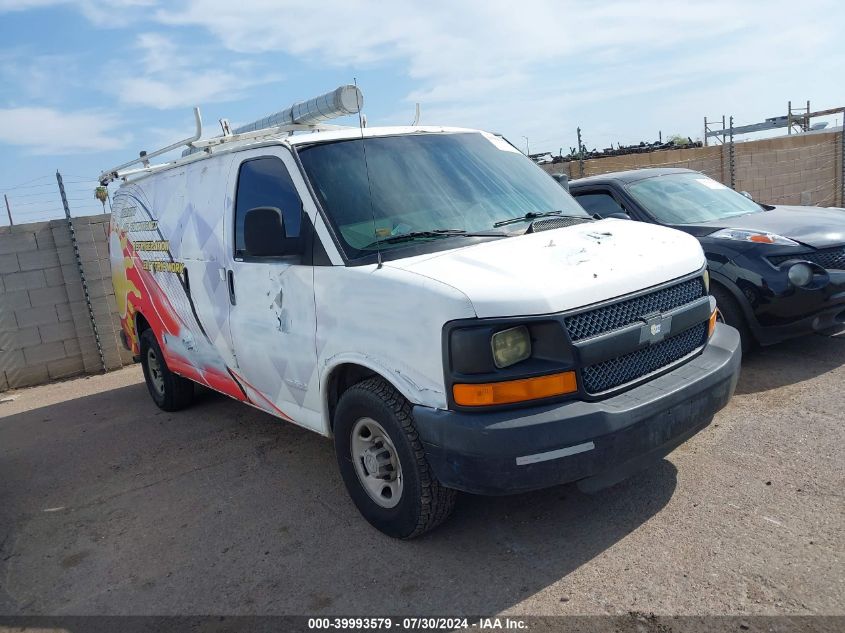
511 346
761 237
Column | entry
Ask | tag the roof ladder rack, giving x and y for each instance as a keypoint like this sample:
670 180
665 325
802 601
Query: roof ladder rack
144 157
305 116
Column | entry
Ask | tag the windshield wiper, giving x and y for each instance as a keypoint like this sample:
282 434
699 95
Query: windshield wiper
434 233
532 215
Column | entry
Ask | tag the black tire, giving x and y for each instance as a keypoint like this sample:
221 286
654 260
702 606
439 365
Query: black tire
169 391
424 503
733 315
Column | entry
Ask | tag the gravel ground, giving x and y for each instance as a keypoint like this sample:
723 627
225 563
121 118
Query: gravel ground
110 506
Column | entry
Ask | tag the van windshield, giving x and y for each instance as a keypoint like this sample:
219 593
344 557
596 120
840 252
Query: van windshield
427 182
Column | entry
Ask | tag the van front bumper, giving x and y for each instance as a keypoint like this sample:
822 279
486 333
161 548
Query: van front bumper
593 443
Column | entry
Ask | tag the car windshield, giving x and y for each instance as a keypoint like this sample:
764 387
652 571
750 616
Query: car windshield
689 198
427 182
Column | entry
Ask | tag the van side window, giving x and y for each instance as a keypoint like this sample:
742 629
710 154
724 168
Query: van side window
599 202
265 182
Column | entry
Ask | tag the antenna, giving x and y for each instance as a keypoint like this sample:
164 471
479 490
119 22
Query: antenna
367 170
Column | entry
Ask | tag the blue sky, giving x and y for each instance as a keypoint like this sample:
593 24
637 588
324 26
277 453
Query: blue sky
85 85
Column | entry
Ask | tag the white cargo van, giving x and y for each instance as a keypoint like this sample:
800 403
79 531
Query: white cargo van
427 296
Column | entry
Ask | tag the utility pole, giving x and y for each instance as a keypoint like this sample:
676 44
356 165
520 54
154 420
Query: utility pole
842 161
580 155
789 117
732 155
8 210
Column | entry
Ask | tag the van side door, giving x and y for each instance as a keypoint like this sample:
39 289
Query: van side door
271 285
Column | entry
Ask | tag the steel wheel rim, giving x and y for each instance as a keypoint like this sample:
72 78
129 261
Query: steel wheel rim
154 367
376 462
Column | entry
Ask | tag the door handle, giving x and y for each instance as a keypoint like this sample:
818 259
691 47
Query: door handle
231 276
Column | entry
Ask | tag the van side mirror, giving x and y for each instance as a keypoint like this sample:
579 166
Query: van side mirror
562 180
265 236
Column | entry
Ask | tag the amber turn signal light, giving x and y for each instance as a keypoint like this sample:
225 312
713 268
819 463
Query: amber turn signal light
510 391
711 324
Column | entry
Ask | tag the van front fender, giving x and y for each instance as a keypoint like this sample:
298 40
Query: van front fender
414 388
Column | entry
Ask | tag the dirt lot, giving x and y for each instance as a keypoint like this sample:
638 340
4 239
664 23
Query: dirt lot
110 506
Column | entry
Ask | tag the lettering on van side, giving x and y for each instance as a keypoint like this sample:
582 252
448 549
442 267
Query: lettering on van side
150 225
152 245
155 265
163 267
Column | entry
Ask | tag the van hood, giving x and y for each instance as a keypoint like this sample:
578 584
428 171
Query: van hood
561 269
814 226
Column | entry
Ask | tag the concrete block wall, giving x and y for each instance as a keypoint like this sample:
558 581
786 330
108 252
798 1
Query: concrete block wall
803 169
45 325
709 160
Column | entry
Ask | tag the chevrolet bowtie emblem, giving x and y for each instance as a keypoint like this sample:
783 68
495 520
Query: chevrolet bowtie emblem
656 327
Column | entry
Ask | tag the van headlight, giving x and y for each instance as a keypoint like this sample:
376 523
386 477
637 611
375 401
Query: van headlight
511 346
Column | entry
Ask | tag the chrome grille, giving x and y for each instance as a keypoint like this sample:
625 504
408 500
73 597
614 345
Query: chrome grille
830 258
618 315
624 369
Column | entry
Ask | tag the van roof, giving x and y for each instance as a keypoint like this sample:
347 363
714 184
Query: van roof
304 138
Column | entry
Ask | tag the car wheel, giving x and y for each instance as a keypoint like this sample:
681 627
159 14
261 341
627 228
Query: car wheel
169 391
383 464
733 315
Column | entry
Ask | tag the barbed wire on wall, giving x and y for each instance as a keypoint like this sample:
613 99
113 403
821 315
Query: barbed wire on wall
38 199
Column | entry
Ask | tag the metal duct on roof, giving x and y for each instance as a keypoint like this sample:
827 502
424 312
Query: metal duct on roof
340 102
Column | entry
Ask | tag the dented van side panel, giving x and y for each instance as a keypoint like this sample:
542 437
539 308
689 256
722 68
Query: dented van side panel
389 321
292 325
170 255
272 313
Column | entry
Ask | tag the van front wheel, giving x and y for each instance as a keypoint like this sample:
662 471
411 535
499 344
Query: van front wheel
383 464
169 391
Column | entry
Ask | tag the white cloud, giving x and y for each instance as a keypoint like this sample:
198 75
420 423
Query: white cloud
506 65
113 13
49 131
448 39
168 76
23 5
622 70
30 76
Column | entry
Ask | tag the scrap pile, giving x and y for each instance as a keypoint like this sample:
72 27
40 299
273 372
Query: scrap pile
620 150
